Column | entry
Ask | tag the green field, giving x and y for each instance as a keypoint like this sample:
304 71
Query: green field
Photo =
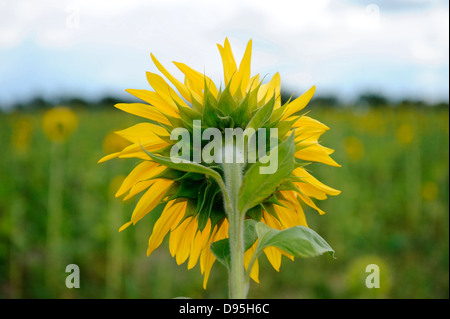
393 212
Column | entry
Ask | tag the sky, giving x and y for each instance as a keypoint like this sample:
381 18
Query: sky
91 48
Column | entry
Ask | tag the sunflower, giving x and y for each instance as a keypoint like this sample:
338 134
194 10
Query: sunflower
59 123
193 197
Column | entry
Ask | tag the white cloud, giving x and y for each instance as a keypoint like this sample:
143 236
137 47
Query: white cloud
302 40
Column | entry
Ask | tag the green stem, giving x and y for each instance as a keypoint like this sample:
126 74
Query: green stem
233 180
54 216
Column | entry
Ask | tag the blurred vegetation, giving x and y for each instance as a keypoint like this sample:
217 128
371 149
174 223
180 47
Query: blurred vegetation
393 210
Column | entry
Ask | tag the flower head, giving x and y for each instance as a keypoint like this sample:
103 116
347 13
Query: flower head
194 213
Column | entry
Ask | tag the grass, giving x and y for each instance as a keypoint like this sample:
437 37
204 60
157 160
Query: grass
393 212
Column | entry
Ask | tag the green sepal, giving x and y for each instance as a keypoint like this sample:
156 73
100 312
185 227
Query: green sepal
188 115
257 187
298 241
241 114
221 248
206 196
170 174
300 163
196 105
210 111
176 122
191 176
274 200
255 213
284 127
268 207
289 186
262 115
225 122
187 189
226 102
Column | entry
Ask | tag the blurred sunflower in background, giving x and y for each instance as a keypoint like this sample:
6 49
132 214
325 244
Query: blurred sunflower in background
22 135
194 213
59 123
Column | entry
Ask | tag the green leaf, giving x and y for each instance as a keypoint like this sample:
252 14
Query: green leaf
257 187
221 248
298 241
185 166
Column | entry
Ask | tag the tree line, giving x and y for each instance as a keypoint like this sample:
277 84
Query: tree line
364 100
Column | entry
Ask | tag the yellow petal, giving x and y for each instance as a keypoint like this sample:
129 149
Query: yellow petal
143 131
316 153
253 83
157 101
300 218
200 241
172 214
307 122
287 216
198 80
176 235
273 254
308 178
254 272
243 75
150 199
108 157
271 221
139 187
207 258
184 246
307 138
143 171
299 103
180 86
311 191
270 89
164 90
124 226
144 110
229 64
135 150
208 261
310 203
